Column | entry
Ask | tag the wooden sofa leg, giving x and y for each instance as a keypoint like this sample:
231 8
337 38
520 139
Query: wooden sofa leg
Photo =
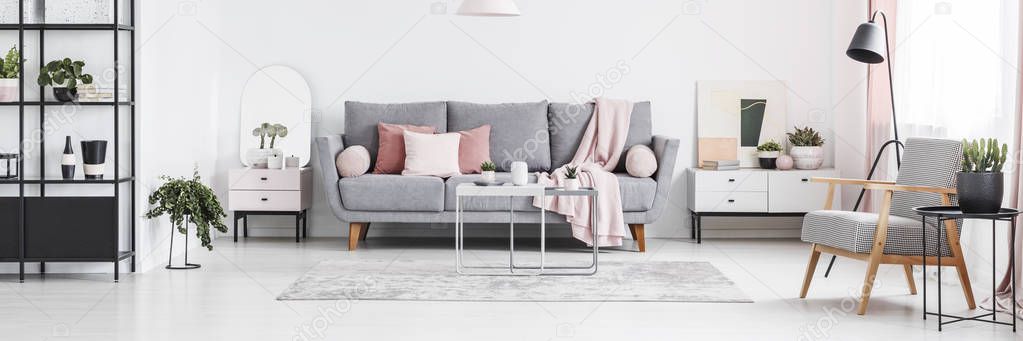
638 235
365 231
354 231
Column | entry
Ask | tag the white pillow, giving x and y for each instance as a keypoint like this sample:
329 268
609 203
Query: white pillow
353 161
640 161
431 154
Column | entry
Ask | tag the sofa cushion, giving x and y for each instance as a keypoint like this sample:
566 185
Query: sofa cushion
485 203
361 120
389 192
568 123
637 193
518 131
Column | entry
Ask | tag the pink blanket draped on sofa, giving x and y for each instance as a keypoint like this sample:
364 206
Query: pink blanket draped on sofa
597 156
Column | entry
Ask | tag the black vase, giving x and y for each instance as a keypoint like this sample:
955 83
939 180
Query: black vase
980 192
65 94
94 156
67 160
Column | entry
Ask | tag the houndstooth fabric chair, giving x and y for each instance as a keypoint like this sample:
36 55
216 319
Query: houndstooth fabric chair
926 178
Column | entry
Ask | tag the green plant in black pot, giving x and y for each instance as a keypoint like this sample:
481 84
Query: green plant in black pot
188 201
768 153
979 186
64 75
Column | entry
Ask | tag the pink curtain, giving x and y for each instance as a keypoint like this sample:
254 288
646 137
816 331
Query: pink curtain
879 105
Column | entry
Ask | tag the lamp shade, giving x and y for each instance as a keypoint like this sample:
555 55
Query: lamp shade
868 44
489 8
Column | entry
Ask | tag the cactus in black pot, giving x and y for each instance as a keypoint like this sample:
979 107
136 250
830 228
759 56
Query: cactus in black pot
980 184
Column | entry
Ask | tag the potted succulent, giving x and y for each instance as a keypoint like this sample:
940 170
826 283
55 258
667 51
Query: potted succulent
571 178
188 201
257 157
767 153
64 75
488 174
9 81
806 151
979 186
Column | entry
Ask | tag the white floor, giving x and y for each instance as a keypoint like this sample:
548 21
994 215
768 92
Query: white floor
233 298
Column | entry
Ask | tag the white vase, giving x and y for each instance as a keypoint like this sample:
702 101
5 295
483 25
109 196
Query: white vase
257 157
809 157
488 176
8 89
519 173
571 184
275 161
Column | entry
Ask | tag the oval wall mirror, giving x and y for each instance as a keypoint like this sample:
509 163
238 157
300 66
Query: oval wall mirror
278 96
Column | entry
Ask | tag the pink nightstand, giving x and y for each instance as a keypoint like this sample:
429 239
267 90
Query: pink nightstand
270 192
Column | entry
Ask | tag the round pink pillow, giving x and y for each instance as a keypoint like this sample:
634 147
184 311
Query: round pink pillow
353 161
640 161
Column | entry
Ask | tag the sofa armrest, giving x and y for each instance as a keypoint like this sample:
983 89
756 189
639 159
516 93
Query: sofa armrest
327 148
666 151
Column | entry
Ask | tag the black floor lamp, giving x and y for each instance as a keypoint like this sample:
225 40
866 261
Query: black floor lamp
870 45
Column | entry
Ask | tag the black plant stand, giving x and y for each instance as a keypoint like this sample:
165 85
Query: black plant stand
170 253
942 214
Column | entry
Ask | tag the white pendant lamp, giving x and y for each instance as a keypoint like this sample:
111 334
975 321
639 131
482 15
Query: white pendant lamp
489 8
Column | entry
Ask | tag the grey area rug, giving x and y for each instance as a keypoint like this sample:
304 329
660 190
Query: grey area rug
434 281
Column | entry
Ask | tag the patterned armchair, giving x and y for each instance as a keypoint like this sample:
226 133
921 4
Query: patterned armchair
893 236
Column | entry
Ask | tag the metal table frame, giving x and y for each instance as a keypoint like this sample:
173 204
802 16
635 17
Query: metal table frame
514 269
940 217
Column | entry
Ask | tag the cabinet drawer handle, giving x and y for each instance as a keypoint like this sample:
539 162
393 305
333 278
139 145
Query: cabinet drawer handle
731 180
263 199
731 200
262 179
806 180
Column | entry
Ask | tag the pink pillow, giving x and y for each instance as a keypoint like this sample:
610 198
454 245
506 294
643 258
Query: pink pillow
391 153
353 161
473 149
429 154
640 161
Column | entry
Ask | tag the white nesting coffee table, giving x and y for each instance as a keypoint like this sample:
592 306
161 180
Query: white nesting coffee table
513 269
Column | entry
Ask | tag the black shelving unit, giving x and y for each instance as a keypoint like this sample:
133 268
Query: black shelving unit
41 229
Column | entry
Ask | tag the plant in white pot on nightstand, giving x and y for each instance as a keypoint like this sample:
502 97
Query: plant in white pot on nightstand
257 157
806 151
571 178
979 186
487 172
767 153
9 81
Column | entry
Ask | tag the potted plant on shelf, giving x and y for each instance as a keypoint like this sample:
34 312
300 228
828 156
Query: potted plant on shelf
10 67
806 151
64 75
488 174
257 157
768 153
188 201
571 178
979 186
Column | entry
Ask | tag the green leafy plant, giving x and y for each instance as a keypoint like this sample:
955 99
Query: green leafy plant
488 166
769 146
271 131
63 73
10 66
188 201
984 155
571 172
805 137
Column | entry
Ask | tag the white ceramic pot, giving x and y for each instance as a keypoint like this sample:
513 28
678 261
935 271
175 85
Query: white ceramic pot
571 184
275 161
807 157
257 157
488 176
519 173
768 155
8 89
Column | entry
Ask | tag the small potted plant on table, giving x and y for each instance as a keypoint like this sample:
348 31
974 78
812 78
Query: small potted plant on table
9 72
807 151
64 75
488 174
768 153
571 178
258 157
980 185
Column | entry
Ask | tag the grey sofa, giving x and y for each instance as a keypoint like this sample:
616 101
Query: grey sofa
544 135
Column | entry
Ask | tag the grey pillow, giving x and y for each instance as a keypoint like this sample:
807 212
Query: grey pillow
361 121
518 131
568 123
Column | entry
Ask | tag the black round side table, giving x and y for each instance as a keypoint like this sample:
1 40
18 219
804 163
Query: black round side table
942 214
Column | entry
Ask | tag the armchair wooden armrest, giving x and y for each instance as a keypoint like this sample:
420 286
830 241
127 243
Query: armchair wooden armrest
841 181
907 188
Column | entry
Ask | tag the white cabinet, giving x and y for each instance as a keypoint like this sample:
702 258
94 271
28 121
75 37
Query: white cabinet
792 191
270 192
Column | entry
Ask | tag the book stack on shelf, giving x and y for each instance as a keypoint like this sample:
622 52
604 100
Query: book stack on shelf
92 93
720 164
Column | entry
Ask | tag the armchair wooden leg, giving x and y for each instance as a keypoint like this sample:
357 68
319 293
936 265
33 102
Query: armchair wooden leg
638 235
909 278
365 231
964 281
354 231
868 284
811 266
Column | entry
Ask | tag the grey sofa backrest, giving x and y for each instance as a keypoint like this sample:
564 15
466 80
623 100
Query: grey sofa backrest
568 123
518 131
361 121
